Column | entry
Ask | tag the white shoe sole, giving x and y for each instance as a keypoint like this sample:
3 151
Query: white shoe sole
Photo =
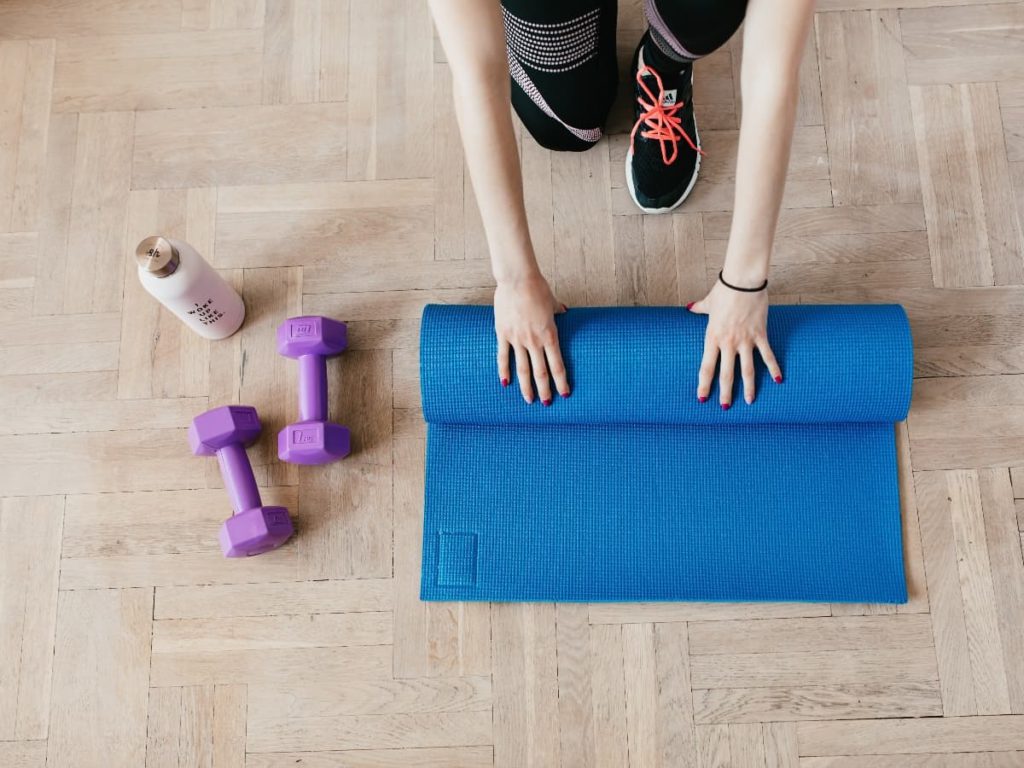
686 192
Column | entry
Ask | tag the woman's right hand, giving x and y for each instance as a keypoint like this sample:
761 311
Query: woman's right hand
524 320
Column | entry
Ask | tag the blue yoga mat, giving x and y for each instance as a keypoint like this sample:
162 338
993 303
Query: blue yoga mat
632 490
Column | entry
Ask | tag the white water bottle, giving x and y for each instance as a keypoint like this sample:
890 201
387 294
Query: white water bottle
180 279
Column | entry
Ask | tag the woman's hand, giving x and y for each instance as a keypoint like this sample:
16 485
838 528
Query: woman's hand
737 325
524 320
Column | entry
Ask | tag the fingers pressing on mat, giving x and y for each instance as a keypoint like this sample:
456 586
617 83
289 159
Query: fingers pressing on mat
707 371
726 374
747 371
557 367
523 373
504 372
540 374
769 360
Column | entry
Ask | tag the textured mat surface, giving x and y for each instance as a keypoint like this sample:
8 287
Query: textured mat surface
632 490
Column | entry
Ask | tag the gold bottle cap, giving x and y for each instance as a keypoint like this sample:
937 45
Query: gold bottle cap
157 256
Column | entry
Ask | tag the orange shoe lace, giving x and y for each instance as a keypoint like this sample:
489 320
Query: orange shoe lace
660 120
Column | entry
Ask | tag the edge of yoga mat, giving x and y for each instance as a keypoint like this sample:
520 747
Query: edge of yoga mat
467 538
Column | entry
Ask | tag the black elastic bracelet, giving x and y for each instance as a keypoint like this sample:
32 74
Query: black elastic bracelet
737 288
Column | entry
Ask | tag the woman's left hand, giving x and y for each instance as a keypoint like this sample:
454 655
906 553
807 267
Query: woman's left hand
737 326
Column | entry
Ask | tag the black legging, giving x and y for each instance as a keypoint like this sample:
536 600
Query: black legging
561 57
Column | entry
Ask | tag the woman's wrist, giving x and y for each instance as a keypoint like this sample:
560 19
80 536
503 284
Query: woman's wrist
518 271
744 275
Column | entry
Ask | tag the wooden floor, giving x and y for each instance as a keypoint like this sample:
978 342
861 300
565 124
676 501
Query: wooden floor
309 149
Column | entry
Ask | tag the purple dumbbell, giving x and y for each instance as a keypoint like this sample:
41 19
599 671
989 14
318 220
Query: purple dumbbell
312 440
253 529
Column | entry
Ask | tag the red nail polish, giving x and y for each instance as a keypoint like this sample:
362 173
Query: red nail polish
726 406
702 399
546 402
690 304
504 382
565 394
778 379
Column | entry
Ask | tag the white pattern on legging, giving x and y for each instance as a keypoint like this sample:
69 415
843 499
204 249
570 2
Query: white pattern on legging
554 48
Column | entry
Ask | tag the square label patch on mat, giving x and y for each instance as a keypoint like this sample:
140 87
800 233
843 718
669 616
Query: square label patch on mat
456 559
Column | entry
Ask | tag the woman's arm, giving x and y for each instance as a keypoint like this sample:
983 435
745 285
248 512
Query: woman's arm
473 37
773 43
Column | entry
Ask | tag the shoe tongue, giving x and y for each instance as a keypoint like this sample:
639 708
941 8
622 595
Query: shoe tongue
670 96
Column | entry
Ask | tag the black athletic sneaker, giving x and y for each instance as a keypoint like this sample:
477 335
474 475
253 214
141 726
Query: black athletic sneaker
664 148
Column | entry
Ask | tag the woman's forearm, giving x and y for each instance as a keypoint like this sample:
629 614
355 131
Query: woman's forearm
770 88
761 165
473 37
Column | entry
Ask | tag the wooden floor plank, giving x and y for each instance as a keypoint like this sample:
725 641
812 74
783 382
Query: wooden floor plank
817 702
933 760
336 664
23 754
96 230
101 678
526 725
55 215
608 684
807 635
639 668
238 145
30 540
881 737
442 757
795 668
330 224
974 231
322 698
390 51
980 614
315 630
49 18
584 269
111 72
1007 568
964 42
271 599
74 462
866 109
677 744
639 613
575 685
25 106
944 595
197 725
291 51
405 731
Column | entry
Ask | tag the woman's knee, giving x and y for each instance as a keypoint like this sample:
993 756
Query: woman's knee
695 28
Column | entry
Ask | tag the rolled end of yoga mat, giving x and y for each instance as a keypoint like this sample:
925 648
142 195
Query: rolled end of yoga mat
639 366
631 490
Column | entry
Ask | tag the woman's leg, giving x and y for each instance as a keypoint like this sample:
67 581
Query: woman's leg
685 30
664 156
561 57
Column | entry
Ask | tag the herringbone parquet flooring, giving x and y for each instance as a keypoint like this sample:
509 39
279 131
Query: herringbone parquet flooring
308 148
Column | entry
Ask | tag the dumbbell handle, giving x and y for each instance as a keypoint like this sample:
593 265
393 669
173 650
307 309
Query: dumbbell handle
313 388
239 480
